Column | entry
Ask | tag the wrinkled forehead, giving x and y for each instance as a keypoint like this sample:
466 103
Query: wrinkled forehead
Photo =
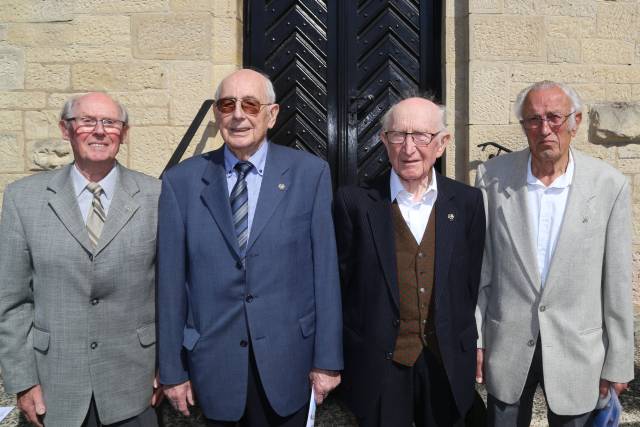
415 116
244 85
547 100
96 106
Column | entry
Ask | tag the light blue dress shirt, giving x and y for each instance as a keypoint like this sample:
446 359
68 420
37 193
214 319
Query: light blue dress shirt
85 197
253 178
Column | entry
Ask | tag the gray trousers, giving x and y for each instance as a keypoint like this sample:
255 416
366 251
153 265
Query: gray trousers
501 414
148 418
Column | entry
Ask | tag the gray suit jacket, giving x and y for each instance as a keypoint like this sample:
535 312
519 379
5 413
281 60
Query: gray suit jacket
584 313
75 320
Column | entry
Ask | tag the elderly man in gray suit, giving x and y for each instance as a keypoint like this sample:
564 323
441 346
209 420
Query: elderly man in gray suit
555 296
77 297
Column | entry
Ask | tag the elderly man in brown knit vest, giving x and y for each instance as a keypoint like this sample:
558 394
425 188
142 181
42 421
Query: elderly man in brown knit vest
410 245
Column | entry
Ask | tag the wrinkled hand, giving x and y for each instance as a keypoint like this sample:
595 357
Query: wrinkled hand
323 382
158 394
480 365
31 403
618 387
180 396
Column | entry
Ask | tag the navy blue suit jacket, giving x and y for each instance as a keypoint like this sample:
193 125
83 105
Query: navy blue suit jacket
284 297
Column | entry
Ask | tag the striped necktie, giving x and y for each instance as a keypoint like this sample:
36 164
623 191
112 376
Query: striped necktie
96 217
239 199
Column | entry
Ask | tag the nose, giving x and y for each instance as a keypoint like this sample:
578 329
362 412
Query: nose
99 129
237 111
545 127
409 145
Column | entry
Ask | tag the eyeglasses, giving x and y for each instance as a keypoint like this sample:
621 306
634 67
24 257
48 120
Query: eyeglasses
419 138
555 121
88 124
250 106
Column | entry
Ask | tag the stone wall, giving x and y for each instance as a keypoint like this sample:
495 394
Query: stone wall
160 58
495 48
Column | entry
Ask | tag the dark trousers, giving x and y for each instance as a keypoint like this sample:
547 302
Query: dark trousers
419 394
148 418
258 412
519 414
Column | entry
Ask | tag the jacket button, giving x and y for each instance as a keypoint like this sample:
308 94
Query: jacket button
249 298
543 308
531 343
94 345
239 265
420 255
91 257
396 322
243 343
388 355
95 301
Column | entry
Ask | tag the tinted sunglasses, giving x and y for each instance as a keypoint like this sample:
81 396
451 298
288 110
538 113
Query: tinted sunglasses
250 106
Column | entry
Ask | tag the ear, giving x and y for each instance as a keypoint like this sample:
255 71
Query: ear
443 143
383 138
124 133
578 118
274 109
62 124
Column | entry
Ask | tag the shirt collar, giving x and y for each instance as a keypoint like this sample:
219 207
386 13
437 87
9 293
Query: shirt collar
258 159
108 183
398 189
562 181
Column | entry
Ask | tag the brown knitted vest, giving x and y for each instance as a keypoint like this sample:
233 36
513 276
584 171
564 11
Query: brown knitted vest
416 268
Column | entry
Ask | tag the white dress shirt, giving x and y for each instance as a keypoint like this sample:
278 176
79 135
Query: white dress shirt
85 197
415 213
546 211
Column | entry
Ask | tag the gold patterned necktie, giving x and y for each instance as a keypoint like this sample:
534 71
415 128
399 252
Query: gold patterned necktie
96 217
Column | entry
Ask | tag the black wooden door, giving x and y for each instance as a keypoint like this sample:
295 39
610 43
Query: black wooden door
337 65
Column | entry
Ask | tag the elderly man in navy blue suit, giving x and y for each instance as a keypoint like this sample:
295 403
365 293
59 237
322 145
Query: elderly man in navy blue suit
248 286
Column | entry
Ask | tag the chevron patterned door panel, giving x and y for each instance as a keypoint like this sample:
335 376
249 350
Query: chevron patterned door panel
337 65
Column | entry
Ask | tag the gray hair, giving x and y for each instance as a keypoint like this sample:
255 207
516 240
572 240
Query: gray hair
268 87
67 109
384 121
576 102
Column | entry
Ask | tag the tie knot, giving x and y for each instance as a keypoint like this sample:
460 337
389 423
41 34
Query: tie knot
243 169
95 188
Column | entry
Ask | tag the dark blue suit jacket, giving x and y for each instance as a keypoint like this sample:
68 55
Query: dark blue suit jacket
284 297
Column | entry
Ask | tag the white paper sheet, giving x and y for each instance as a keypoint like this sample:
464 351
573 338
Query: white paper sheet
312 409
5 410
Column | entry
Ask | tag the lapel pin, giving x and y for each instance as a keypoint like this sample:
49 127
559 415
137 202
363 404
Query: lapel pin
281 187
450 217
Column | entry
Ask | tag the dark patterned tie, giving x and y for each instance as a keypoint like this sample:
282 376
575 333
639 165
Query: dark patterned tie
96 217
239 199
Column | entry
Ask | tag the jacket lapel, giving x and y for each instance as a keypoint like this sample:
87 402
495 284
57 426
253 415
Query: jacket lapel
62 200
215 196
121 209
446 222
516 219
576 219
381 224
275 184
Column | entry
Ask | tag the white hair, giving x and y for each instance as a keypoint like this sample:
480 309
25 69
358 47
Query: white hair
69 105
384 121
576 102
269 90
